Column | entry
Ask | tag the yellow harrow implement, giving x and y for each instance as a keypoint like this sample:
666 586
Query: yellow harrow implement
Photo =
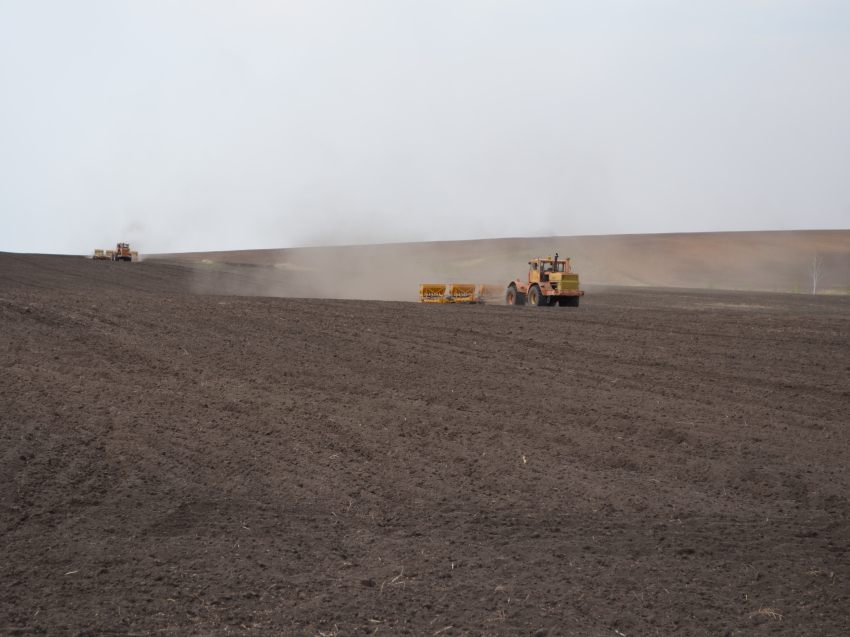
491 293
99 254
461 293
432 293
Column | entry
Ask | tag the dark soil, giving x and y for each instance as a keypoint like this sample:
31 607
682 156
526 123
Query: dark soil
655 462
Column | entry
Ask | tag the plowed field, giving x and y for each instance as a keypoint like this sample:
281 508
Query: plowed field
655 462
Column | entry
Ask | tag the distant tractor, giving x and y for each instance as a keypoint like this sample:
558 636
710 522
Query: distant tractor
122 252
550 282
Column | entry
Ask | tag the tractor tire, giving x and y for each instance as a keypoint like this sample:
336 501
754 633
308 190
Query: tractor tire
569 301
535 297
514 297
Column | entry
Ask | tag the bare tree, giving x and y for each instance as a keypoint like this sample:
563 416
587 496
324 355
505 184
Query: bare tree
817 271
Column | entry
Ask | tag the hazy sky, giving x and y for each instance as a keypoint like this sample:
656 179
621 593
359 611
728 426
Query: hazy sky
202 125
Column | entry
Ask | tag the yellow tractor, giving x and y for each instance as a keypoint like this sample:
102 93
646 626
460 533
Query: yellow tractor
550 282
122 252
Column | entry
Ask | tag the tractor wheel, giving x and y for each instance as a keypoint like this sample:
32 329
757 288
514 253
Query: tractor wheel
514 297
568 301
535 297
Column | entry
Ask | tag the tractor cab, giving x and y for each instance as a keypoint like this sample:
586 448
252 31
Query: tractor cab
541 270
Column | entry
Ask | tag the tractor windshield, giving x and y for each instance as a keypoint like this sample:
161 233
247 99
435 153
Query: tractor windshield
546 266
559 266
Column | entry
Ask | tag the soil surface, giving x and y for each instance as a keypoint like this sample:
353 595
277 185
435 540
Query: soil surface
655 462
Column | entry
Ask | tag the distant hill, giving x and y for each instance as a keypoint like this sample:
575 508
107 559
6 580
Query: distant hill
770 261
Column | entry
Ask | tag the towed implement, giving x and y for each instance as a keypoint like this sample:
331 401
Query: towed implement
460 293
550 282
432 293
491 293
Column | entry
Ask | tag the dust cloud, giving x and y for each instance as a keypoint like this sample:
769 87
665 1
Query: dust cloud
389 272
768 261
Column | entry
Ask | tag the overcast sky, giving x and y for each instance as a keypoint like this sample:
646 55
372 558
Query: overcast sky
209 125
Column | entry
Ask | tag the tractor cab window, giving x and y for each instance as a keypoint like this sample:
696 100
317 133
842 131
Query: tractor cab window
546 266
534 266
559 267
